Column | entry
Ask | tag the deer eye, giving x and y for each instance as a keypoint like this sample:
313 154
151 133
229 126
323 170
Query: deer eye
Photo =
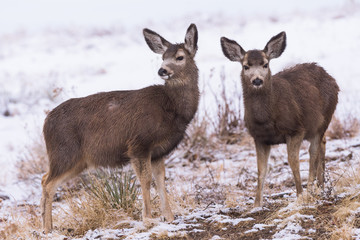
265 65
179 58
246 67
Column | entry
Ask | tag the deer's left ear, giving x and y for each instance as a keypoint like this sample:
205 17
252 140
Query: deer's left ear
191 39
276 46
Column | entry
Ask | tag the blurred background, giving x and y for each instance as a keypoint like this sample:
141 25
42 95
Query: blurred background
41 14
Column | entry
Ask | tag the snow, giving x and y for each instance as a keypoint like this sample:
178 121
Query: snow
289 232
356 234
226 219
53 51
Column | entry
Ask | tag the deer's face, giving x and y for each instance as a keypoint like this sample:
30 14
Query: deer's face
177 58
174 63
255 68
255 63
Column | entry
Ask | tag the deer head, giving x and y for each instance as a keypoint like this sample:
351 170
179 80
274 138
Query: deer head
178 59
255 63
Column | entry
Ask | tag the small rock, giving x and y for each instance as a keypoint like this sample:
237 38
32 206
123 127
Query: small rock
7 113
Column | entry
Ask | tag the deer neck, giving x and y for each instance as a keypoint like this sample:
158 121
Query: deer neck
184 93
258 102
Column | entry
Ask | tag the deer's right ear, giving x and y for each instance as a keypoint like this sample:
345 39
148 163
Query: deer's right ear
232 50
157 43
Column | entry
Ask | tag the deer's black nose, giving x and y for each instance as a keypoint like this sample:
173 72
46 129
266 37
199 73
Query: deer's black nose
257 82
162 72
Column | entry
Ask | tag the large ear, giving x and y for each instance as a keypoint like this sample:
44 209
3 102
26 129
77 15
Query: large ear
275 47
232 50
156 42
191 39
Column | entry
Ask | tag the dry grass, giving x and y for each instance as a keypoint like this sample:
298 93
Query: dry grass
87 212
343 233
198 143
229 125
343 128
181 200
345 212
346 179
344 218
34 161
108 198
334 217
21 223
114 186
206 133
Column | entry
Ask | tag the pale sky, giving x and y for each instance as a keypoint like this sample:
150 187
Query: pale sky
38 14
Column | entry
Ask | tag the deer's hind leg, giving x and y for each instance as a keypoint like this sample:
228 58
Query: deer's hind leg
317 161
49 183
320 170
293 148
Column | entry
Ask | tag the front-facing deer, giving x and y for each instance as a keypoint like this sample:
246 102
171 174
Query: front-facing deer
288 107
115 128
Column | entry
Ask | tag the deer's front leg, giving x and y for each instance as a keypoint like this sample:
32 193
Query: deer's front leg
262 155
158 170
142 167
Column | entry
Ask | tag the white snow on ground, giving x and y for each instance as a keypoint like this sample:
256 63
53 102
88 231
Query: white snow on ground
51 51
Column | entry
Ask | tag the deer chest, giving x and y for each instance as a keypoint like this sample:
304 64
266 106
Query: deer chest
265 131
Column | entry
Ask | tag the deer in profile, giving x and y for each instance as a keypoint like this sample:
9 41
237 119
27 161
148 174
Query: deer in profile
293 105
112 129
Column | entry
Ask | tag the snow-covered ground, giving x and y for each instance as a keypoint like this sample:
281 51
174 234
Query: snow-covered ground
51 51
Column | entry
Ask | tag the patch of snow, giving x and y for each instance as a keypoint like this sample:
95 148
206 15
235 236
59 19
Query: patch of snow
251 231
289 232
259 209
227 219
216 237
261 226
356 234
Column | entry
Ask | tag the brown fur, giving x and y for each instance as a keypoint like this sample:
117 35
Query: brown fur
292 105
111 129
295 100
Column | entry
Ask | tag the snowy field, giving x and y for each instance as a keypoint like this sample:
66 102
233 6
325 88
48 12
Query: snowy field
53 51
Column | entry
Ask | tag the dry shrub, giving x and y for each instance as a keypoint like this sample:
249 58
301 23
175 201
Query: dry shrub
347 180
347 207
229 125
343 128
114 186
181 200
99 206
206 132
200 140
344 215
21 223
84 213
233 197
343 233
344 218
197 134
33 162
